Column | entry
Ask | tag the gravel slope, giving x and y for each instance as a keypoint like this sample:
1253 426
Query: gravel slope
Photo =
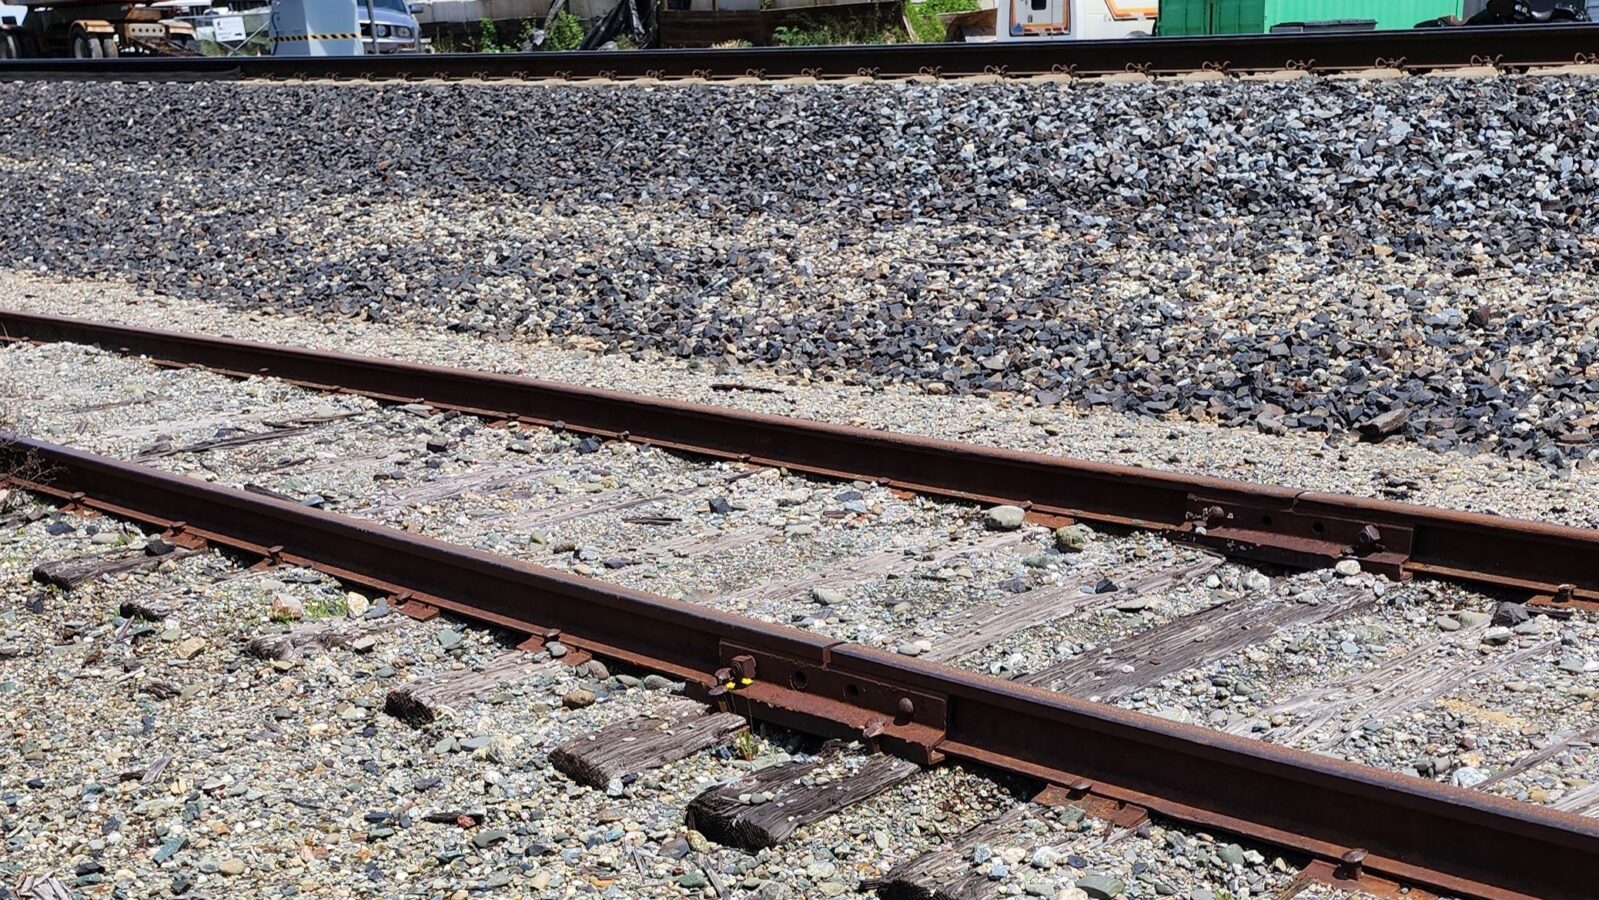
1310 254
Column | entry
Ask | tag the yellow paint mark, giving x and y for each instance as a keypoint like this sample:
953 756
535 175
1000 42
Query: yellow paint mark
1492 717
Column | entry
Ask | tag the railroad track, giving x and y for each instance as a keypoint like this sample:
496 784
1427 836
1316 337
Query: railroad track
1420 50
1357 825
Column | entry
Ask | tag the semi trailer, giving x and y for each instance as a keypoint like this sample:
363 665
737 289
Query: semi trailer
95 29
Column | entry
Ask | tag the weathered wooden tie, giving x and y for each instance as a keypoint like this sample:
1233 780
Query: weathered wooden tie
949 872
239 440
625 750
1557 745
933 873
734 813
1583 801
1142 659
305 640
1407 690
42 887
69 573
603 502
968 631
876 565
427 698
478 482
688 546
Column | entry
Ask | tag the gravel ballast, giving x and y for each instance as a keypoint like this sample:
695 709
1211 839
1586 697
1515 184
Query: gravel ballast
1394 469
914 576
150 754
1408 255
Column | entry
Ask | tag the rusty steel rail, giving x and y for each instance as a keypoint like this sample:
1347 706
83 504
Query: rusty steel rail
1553 564
1367 825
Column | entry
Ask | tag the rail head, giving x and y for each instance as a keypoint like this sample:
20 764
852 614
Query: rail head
1506 47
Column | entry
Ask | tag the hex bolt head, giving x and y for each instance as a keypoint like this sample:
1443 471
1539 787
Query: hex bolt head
1367 539
744 666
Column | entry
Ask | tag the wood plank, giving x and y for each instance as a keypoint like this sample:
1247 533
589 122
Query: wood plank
425 699
1412 689
295 643
921 877
308 465
164 449
69 573
1583 801
720 815
151 426
600 503
42 887
1142 659
1560 743
1396 684
1345 692
622 751
947 873
116 404
968 631
487 480
305 640
688 546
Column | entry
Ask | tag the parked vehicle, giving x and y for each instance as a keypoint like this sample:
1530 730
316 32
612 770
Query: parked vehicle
396 31
1529 12
95 29
1062 20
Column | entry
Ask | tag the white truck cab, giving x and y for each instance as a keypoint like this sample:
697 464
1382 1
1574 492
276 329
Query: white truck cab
1082 20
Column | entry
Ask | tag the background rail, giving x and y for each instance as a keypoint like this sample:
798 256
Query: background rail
1416 49
1557 564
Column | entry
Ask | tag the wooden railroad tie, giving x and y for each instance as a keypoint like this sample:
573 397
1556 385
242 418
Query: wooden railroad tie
725 813
624 750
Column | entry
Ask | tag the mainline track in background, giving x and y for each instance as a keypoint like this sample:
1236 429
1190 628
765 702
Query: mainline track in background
1414 50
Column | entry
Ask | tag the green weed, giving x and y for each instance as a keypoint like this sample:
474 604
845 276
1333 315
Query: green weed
925 25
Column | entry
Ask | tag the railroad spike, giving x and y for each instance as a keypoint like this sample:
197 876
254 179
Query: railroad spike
1350 863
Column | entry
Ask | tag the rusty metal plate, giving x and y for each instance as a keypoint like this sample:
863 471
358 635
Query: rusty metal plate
1277 530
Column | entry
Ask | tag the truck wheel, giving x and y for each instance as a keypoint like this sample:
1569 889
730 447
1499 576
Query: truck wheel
85 47
109 49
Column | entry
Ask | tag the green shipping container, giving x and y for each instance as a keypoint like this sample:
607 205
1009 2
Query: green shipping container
1190 17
